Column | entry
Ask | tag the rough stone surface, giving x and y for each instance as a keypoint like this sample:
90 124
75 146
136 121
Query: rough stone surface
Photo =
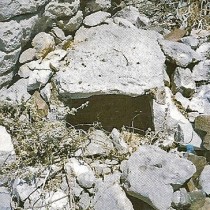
84 201
202 123
16 94
150 170
181 198
38 78
27 55
73 23
6 79
169 117
86 180
204 180
98 144
113 68
183 82
111 196
182 100
180 54
5 141
8 60
9 9
96 18
5 199
199 162
96 5
43 43
200 100
132 14
201 71
46 92
197 198
204 50
118 141
56 10
56 200
191 41
10 36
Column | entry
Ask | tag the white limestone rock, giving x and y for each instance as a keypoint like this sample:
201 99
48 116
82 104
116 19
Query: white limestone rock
118 141
96 5
5 141
180 54
204 50
84 201
73 23
9 9
123 22
182 81
191 41
181 198
102 62
7 152
6 79
38 79
24 71
204 179
8 60
56 200
111 196
182 100
76 167
150 170
98 144
5 199
27 56
56 10
43 43
132 14
96 18
201 71
168 118
200 101
15 94
10 35
46 92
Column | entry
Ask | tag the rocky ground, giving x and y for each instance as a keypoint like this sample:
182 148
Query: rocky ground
104 105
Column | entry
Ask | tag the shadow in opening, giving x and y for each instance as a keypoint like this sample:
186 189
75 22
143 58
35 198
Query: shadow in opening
113 111
139 204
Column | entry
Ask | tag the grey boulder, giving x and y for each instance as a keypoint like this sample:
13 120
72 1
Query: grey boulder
204 179
111 196
15 94
151 174
9 9
5 199
201 71
106 60
183 82
96 18
180 54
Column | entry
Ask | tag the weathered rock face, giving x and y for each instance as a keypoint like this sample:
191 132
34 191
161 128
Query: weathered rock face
150 170
106 60
9 9
204 180
7 153
179 53
112 197
202 123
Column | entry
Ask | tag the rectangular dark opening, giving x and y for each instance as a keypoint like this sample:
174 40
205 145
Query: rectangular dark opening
112 111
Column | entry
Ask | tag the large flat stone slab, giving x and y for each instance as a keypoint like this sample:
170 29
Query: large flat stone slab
109 59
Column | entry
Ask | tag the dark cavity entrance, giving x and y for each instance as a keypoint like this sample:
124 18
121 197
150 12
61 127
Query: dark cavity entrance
113 111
